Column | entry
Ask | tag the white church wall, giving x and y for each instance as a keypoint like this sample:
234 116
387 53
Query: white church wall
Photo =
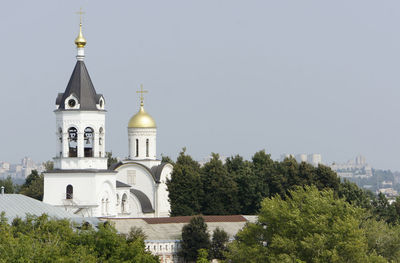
89 191
106 195
142 179
80 120
142 134
164 207
55 188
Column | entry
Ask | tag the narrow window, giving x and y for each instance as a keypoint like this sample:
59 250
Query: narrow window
137 147
73 142
147 147
107 208
123 203
69 192
88 142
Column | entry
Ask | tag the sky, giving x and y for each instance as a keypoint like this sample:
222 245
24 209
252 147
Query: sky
225 76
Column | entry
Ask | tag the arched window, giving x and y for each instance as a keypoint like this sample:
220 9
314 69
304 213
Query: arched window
137 147
123 203
107 206
88 142
147 147
69 192
73 142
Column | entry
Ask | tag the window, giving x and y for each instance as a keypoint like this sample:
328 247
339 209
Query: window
147 147
131 177
73 142
107 208
124 204
137 147
69 192
71 103
88 142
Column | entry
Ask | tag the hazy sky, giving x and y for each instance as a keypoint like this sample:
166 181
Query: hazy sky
231 77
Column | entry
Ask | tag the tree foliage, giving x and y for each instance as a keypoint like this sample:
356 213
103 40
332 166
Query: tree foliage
221 190
194 237
39 239
307 226
219 244
202 256
185 187
9 187
110 159
238 186
33 186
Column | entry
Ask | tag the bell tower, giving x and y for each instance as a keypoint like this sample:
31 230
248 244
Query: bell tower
80 119
81 182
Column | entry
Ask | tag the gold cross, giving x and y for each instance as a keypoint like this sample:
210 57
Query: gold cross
141 91
80 13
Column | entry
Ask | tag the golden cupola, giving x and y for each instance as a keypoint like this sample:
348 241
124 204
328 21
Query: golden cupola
80 41
142 119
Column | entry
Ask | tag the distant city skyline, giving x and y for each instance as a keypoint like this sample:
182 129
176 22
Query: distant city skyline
229 77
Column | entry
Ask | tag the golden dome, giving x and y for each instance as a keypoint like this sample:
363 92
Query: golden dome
80 41
142 120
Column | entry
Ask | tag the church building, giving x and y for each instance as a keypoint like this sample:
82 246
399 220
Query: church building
81 182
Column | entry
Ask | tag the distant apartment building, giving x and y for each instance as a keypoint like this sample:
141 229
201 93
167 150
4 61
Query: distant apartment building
354 168
20 170
314 159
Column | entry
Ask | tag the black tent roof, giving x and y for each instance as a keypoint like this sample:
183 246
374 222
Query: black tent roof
80 86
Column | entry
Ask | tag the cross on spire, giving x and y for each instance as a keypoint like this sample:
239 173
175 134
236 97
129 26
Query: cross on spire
80 13
141 91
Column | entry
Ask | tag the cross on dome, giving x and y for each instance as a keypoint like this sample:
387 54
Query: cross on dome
80 41
80 13
141 91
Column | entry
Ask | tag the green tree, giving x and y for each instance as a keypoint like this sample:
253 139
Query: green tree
202 256
184 188
48 166
219 244
354 195
383 210
242 173
166 159
326 178
33 186
383 239
221 189
194 237
269 182
110 159
307 226
40 239
136 233
9 187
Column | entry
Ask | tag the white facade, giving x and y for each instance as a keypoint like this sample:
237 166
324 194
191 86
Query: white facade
93 194
81 181
81 121
142 143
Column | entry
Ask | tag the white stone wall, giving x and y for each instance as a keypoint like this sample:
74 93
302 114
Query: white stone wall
143 179
166 250
90 191
142 135
80 120
163 205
